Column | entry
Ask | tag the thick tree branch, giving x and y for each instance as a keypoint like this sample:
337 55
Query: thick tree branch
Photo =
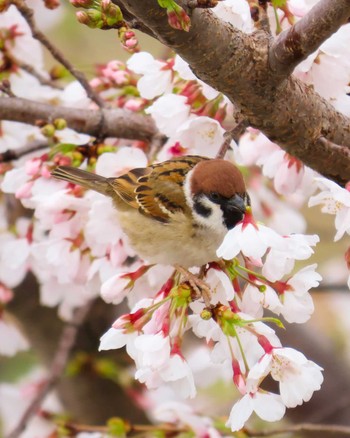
297 43
115 122
288 111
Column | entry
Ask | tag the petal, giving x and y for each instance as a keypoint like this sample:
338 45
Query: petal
240 413
268 406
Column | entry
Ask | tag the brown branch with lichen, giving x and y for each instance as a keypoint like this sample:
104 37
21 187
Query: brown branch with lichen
287 110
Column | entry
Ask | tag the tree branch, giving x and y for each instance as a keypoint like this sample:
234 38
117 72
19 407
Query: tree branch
115 123
295 44
14 154
27 14
59 363
288 111
331 429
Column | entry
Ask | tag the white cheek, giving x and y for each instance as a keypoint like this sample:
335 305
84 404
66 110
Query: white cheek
215 220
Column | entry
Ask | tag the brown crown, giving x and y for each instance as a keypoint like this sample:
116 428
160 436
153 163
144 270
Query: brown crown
217 176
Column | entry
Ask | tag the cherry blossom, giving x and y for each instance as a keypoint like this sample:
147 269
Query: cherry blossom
175 372
266 405
298 377
236 13
334 200
169 111
179 413
12 340
157 76
249 237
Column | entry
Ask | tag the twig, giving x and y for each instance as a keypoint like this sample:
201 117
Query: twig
297 43
332 429
31 70
258 12
5 87
117 122
263 17
130 429
234 134
66 343
27 14
14 154
156 144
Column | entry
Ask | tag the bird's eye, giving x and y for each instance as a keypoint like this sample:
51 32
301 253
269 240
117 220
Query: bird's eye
215 197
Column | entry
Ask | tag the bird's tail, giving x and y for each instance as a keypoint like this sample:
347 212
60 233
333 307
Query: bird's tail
82 178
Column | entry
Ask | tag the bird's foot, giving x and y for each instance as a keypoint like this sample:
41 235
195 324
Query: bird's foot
199 286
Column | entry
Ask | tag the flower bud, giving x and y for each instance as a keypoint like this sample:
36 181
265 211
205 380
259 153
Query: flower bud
48 130
60 124
206 314
82 3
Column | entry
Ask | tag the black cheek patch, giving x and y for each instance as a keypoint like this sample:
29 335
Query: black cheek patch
231 217
201 209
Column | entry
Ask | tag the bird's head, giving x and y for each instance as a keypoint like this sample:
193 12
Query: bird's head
216 193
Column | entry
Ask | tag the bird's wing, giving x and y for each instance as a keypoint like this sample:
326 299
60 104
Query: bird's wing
157 190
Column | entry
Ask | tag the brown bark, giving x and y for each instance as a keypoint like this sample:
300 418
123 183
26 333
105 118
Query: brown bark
98 123
296 44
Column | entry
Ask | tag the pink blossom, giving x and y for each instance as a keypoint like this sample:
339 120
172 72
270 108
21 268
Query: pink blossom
115 338
176 412
201 135
266 405
334 200
116 163
250 238
169 112
298 377
12 341
237 13
14 259
175 372
156 79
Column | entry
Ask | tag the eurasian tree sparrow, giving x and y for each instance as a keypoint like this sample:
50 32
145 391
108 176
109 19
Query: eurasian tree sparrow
176 212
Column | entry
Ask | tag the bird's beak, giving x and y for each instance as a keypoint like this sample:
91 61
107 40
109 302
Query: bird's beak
237 203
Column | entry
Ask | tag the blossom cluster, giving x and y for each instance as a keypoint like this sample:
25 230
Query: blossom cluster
74 245
231 320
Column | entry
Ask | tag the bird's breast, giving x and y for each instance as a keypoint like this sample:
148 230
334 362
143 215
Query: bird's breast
177 242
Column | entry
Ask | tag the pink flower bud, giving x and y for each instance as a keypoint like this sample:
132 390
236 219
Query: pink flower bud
178 19
130 44
129 34
52 4
82 3
82 17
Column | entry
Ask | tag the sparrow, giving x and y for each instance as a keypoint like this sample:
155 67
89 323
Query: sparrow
176 212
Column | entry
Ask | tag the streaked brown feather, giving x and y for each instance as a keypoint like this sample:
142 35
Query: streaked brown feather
156 190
